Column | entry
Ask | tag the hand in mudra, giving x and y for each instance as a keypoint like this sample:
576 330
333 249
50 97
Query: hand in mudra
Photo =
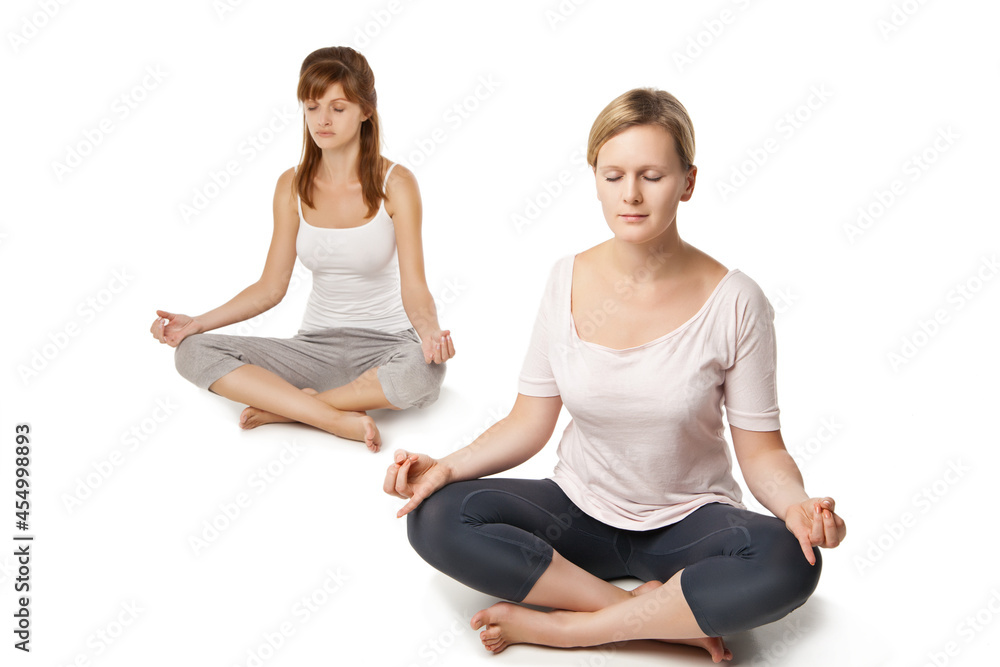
172 328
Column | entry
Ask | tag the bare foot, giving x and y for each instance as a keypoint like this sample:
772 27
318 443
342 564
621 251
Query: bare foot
353 425
252 417
505 624
359 426
714 645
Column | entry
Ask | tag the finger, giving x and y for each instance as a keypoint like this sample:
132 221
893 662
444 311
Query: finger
830 530
389 484
166 314
447 349
402 479
392 473
410 506
807 549
828 503
816 534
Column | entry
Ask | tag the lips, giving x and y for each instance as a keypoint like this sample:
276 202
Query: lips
633 217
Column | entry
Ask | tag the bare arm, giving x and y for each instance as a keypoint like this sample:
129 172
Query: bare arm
508 443
505 445
404 198
403 206
774 479
769 470
272 285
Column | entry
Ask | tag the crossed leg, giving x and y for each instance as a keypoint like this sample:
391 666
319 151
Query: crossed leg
269 393
589 611
363 393
725 569
274 376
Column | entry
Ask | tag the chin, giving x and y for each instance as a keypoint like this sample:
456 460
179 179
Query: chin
635 235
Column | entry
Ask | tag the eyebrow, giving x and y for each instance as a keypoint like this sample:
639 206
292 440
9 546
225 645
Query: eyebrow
339 99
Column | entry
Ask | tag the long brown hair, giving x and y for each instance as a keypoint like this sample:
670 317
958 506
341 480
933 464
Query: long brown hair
344 65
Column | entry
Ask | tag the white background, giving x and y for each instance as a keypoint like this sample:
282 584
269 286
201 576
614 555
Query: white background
880 437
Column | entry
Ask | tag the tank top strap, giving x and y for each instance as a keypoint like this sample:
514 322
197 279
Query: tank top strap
387 172
298 200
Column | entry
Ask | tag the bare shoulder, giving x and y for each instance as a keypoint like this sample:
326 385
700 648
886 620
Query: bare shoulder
400 180
284 191
401 191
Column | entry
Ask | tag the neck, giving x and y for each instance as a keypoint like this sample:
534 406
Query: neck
663 258
340 165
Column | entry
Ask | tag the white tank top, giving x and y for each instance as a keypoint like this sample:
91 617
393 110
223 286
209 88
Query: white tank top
355 275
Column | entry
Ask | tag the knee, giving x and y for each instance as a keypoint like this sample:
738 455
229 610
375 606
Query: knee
792 578
420 386
189 357
427 526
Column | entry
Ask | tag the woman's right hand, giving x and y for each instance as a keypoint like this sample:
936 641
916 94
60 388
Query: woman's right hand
172 328
414 476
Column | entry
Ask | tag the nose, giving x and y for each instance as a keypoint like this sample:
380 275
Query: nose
630 190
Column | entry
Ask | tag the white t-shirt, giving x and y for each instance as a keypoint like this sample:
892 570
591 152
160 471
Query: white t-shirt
645 447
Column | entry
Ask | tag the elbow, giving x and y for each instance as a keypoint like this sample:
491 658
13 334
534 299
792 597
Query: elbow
270 293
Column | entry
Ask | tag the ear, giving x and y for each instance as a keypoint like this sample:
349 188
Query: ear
692 175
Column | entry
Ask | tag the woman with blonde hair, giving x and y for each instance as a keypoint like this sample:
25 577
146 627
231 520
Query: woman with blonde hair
644 338
370 336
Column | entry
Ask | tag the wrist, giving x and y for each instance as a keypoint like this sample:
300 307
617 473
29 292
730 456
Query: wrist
791 507
448 469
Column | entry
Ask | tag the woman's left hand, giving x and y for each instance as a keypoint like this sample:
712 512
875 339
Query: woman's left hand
438 348
814 523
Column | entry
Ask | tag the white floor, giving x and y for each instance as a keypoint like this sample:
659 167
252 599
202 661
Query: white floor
165 535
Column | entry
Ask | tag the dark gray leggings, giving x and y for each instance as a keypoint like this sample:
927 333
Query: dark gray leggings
741 569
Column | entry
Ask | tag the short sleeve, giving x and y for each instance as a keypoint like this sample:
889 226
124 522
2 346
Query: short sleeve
750 386
536 378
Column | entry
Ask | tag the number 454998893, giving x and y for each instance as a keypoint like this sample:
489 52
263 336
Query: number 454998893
22 472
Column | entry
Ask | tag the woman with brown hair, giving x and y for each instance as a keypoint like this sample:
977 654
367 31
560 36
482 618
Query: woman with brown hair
644 338
370 337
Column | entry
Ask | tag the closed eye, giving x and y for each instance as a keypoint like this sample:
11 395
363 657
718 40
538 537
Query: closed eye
618 178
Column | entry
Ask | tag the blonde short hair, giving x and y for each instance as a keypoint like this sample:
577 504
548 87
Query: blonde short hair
644 106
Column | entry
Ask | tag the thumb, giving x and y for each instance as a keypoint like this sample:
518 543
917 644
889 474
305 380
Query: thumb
163 313
400 455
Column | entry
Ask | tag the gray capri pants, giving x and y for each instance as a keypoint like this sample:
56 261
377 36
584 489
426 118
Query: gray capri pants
321 360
